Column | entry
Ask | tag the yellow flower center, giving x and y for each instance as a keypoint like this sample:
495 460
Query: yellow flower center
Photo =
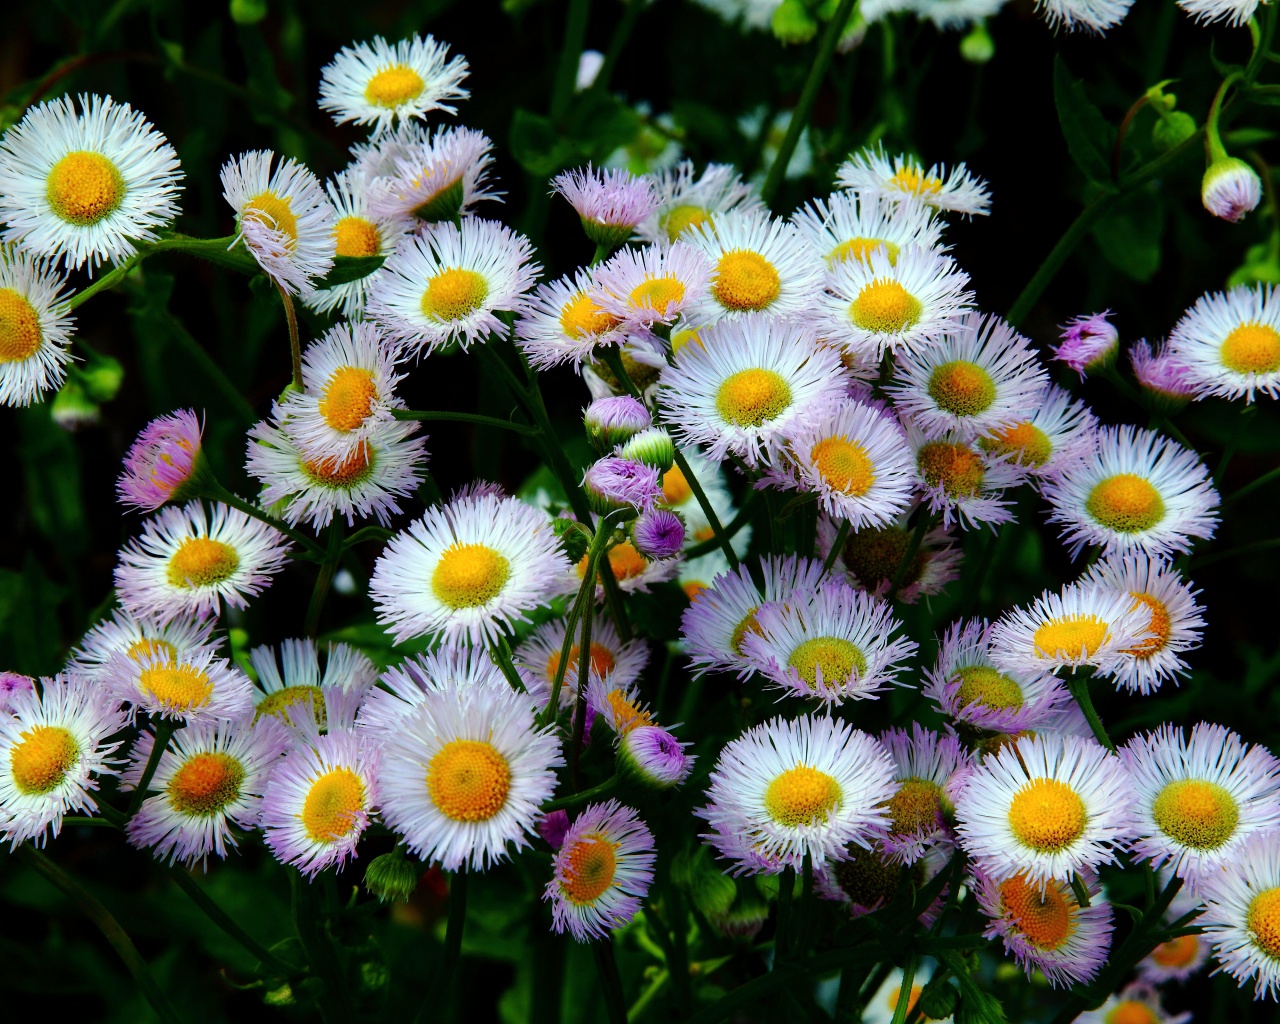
602 660
1025 444
277 704
983 685
626 716
657 293
177 687
874 555
84 187
682 338
1047 815
590 871
675 488
1252 348
453 294
275 212
1046 918
885 307
1126 503
692 588
468 780
1160 627
141 650
911 179
469 575
333 805
844 465
625 561
861 249
1264 921
802 796
681 218
348 397
916 807
582 318
346 472
740 631
355 236
746 281
1075 637
205 784
202 562
839 659
20 333
41 758
1196 813
750 398
956 468
891 1003
962 388
394 85
1179 952
1130 1011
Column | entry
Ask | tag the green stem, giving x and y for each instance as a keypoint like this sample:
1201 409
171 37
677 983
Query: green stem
324 579
295 343
108 280
1249 488
804 106
610 982
924 520
1078 686
440 984
782 937
501 652
707 510
904 990
103 920
573 799
217 492
1236 552
465 417
836 546
735 525
575 34
333 1006
583 605
165 728
584 673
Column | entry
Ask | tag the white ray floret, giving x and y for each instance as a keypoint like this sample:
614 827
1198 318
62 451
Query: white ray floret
1229 343
873 172
850 226
1242 914
35 327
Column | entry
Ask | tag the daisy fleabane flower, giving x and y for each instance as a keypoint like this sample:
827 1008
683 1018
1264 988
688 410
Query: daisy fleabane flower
930 769
1088 344
1140 491
292 688
379 83
467 569
1138 1002
610 202
191 686
12 686
210 777
602 872
1165 380
563 323
403 687
960 480
162 463
137 638
850 226
1230 343
1199 798
868 879
416 177
641 288
1230 189
54 746
465 772
85 187
449 283
1057 432
872 172
190 561
1088 15
687 200
871 555
539 655
35 328
787 789
1242 914
1180 957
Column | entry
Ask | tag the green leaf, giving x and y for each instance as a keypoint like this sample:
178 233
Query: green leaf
1089 137
1129 235
979 1006
350 268
537 146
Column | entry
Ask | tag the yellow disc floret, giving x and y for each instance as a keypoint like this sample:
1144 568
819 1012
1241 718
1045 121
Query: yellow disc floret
1252 348
454 294
202 562
41 759
1196 813
1047 815
178 687
468 780
1264 921
915 808
750 398
748 624
148 649
862 248
838 658
657 293
675 488
1160 627
844 465
1179 952
1042 913
469 575
681 218
20 333
1024 443
84 187
356 236
802 796
582 318
274 212
348 397
962 388
912 179
205 783
954 467
279 703
626 716
344 472
394 85
885 307
988 688
746 281
1075 637
334 805
1131 1011
1126 503
592 863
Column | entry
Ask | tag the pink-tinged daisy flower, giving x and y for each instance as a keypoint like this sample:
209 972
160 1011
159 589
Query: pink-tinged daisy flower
1230 343
1137 1002
282 216
210 777
465 773
1242 914
403 687
449 283
85 187
787 789
654 285
35 328
380 83
1230 189
54 746
930 769
1089 344
139 638
539 655
871 556
190 562
850 226
1140 491
163 462
968 687
872 172
868 879
960 480
687 200
610 203
468 569
562 323
1046 807
1094 16
415 177
1059 431
613 484
12 687
193 686
319 800
603 871
654 757
1176 619
292 688
1044 927
833 644
1165 381
658 533
719 619
1200 798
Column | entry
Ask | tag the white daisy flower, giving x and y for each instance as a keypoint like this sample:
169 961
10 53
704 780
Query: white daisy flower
870 557
328 700
1233 12
282 216
1229 343
35 328
1140 491
688 200
53 748
417 177
759 265
1046 807
403 687
380 83
86 187
138 638
563 323
1058 431
787 789
467 569
872 304
833 644
980 377
848 225
1199 798
1242 914
194 686
1089 15
872 172
745 384
465 773
449 283
189 562
961 481
640 288
210 777
539 655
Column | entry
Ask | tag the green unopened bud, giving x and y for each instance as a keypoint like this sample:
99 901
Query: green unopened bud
391 877
653 447
73 409
248 12
713 892
792 22
1173 129
101 377
573 538
977 46
1230 189
938 1000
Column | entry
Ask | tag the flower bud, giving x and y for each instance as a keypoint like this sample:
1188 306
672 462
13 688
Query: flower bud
164 464
1163 379
653 757
658 533
745 918
617 485
248 12
553 828
12 685
612 421
1089 344
573 538
1230 189
101 377
72 409
712 891
1173 129
792 23
653 447
977 47
391 877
